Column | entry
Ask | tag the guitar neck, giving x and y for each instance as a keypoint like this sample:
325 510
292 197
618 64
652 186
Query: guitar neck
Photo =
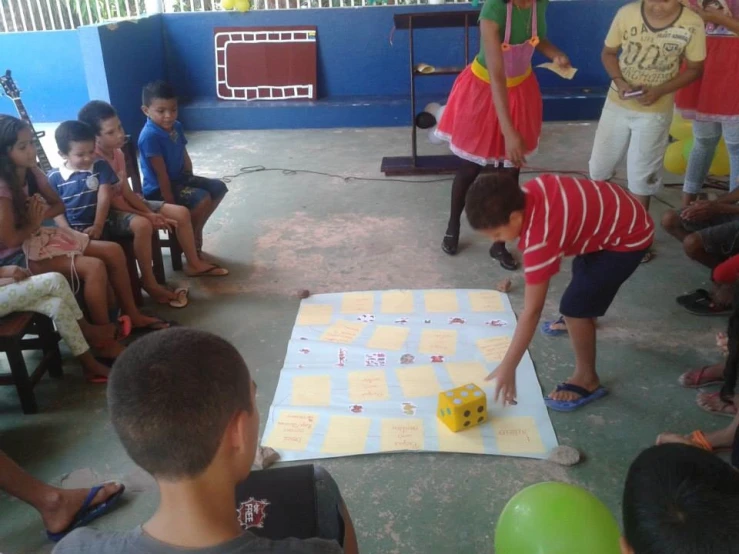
43 161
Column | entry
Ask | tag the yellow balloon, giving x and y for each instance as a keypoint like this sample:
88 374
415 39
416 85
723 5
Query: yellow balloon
681 129
242 5
721 165
227 4
675 161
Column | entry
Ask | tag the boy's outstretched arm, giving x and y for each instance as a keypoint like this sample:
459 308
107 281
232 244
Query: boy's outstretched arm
160 168
553 53
505 373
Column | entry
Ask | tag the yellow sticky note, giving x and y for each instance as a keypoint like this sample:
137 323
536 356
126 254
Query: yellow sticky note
462 373
401 434
292 430
441 301
397 302
346 435
486 301
387 337
343 332
358 303
517 435
469 441
367 386
418 381
494 348
315 314
311 390
438 341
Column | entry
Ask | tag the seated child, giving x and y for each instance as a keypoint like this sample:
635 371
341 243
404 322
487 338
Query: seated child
680 500
197 455
553 216
647 43
130 215
166 165
709 231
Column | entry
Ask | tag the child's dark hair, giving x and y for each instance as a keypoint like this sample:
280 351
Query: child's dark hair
95 112
10 127
679 499
73 131
157 90
171 395
492 199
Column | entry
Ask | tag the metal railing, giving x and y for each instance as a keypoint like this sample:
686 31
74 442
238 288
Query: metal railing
51 15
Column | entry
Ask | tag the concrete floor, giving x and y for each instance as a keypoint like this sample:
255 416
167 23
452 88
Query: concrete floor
278 233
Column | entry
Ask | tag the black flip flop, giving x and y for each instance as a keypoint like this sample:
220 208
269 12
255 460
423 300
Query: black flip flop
706 306
691 297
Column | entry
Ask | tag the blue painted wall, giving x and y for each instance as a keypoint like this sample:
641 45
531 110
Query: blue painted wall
47 67
355 55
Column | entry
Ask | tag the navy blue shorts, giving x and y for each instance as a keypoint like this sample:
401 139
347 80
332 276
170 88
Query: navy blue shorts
191 190
596 279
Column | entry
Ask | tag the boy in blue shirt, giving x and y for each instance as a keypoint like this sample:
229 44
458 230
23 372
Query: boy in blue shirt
166 165
84 184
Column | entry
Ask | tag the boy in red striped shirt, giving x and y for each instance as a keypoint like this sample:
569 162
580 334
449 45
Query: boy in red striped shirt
553 216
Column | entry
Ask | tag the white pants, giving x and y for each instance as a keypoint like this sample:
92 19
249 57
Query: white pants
644 136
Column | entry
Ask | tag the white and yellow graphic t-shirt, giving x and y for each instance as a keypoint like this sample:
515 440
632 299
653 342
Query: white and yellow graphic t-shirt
651 57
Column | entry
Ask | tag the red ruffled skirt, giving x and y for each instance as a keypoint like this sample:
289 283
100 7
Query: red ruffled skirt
715 96
470 123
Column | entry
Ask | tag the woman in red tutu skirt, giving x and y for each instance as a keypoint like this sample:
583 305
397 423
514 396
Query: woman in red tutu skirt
494 112
713 100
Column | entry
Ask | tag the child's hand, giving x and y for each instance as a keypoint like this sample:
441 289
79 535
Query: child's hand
94 232
700 211
158 221
649 96
18 273
35 210
505 384
515 148
562 61
710 15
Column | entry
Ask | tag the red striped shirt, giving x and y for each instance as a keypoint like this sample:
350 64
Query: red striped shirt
565 216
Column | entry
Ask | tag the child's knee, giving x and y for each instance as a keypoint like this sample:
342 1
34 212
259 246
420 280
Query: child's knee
90 268
179 213
693 245
141 226
670 220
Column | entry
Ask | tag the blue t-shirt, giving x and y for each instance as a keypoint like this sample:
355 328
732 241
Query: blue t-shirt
79 190
155 141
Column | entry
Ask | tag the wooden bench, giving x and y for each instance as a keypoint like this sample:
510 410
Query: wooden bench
14 330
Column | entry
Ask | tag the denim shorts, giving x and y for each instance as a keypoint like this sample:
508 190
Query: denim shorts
118 224
191 190
596 279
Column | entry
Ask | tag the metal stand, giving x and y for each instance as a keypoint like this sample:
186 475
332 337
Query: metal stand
428 165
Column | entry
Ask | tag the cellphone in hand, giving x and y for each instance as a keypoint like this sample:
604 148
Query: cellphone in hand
634 93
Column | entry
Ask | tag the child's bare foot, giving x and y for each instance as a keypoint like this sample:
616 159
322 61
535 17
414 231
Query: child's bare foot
700 377
108 349
61 505
673 438
570 396
141 321
715 440
713 403
205 269
160 294
94 371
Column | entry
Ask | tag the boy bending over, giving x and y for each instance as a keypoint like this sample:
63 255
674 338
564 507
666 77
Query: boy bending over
166 165
131 215
600 224
184 406
680 500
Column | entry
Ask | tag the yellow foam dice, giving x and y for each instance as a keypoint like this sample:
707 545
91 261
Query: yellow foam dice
463 407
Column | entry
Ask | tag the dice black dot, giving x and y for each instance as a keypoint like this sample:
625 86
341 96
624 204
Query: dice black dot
467 423
480 419
479 409
466 413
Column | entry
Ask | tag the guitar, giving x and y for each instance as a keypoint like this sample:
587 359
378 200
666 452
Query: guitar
10 89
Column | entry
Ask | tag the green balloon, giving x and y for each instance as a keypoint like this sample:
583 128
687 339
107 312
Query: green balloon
688 147
556 518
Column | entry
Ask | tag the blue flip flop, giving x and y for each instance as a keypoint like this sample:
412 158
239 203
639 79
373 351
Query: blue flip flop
88 513
586 397
546 328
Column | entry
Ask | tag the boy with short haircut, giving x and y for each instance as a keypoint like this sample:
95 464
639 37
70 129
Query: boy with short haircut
166 165
680 499
600 224
654 38
184 406
132 216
